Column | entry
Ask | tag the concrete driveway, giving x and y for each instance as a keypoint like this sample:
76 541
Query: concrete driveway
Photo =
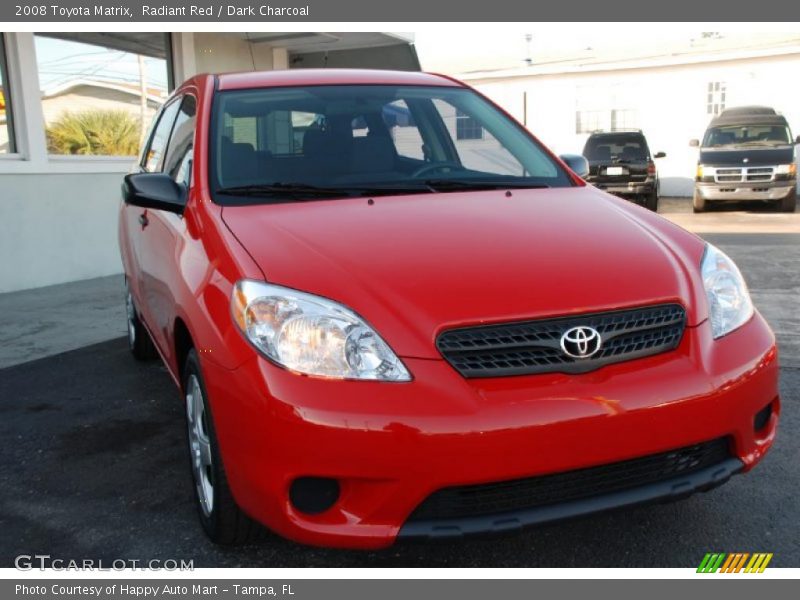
94 463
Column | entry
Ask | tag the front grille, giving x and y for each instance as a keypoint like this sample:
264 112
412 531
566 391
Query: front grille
744 174
759 174
724 175
535 492
532 347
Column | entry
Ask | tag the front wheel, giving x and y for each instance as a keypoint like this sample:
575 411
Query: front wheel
788 204
699 203
221 518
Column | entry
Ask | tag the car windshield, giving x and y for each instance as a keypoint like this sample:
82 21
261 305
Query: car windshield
616 148
737 135
315 142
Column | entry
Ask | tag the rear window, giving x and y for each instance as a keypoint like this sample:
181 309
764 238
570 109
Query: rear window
616 147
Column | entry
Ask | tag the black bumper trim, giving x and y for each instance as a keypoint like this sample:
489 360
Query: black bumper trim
670 489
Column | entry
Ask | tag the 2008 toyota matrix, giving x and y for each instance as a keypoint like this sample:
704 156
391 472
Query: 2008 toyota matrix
393 313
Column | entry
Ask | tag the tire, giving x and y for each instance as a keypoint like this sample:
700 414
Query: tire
788 204
651 201
699 203
139 342
221 518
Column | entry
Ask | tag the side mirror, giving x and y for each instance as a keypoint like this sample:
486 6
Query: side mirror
660 155
577 163
797 140
694 143
154 190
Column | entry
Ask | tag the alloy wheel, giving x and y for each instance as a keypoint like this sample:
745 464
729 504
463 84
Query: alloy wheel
200 445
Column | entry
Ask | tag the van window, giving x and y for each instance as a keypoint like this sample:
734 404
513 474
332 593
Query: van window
756 134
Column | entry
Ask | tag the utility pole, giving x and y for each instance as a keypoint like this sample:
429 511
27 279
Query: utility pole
528 57
143 98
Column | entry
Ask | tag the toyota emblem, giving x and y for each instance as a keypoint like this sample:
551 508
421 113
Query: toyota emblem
581 342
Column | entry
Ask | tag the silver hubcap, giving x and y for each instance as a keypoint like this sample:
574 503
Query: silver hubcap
131 311
199 445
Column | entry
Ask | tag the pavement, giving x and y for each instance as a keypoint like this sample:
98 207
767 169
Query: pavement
94 463
54 319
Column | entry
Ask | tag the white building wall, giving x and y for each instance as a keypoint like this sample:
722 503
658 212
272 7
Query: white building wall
670 102
56 228
215 53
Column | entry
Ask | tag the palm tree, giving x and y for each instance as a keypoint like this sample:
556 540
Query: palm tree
94 132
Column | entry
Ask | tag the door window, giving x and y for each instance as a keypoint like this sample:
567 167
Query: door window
152 160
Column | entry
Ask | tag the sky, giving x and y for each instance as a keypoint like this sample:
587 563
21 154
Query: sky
60 61
460 47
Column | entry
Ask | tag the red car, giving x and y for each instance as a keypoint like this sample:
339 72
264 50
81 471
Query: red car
393 313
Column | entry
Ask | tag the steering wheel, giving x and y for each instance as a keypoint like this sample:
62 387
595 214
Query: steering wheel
452 165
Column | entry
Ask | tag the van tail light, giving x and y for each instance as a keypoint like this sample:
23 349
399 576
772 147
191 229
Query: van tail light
651 167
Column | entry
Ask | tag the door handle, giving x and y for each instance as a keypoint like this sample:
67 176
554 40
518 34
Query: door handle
143 220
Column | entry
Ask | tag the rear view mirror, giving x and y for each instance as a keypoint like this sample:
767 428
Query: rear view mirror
154 190
660 155
577 163
694 143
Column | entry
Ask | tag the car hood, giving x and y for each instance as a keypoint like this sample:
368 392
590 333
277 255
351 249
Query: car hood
746 155
413 266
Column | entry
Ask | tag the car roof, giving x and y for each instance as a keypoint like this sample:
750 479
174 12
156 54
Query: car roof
743 117
621 133
748 110
306 77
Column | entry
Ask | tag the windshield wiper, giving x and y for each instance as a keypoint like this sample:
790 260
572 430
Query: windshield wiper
441 185
302 191
291 189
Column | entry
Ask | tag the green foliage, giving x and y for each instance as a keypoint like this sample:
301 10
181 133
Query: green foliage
94 132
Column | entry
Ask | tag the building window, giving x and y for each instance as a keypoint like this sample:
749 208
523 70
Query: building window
715 98
605 107
587 121
100 91
624 118
467 128
7 144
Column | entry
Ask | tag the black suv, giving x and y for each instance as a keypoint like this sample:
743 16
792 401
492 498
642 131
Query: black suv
621 164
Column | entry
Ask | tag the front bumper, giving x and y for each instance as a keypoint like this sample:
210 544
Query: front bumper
391 445
768 192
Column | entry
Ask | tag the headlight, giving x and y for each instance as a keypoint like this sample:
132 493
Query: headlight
790 170
312 335
729 301
705 171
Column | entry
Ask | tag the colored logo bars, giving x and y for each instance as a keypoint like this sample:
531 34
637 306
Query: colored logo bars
734 563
